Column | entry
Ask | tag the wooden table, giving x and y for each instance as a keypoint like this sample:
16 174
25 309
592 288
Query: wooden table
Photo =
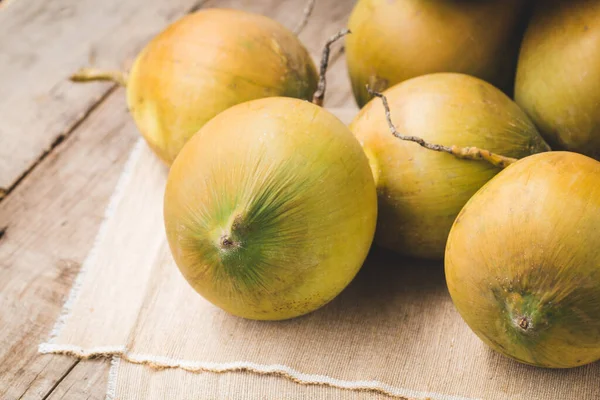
62 147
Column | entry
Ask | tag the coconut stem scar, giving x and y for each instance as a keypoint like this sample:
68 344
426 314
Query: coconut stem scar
523 323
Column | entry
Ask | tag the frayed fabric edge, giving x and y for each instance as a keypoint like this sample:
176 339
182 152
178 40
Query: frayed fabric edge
115 199
113 373
120 353
80 352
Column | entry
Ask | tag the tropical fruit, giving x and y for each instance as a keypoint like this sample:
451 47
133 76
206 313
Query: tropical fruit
205 63
270 208
523 261
393 41
558 75
421 191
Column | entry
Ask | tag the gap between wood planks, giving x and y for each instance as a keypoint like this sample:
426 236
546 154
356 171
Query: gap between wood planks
59 139
67 372
63 368
71 130
4 192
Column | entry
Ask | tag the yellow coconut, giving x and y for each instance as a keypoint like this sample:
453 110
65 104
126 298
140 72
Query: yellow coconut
270 208
558 75
205 63
421 191
523 261
393 41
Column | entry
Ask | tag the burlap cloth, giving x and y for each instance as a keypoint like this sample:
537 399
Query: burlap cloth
392 333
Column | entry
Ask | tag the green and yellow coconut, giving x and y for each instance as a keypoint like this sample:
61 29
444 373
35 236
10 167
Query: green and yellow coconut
558 75
205 63
422 191
523 261
393 41
270 209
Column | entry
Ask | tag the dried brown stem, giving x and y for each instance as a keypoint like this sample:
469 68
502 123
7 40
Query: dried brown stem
467 153
319 94
92 74
308 9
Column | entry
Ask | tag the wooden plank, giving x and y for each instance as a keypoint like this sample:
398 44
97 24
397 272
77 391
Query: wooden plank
51 219
43 382
53 215
41 43
88 380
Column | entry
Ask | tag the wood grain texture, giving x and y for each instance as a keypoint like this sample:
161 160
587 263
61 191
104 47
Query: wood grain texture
51 219
87 380
44 382
65 145
41 43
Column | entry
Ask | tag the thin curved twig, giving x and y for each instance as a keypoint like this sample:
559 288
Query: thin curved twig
319 94
467 153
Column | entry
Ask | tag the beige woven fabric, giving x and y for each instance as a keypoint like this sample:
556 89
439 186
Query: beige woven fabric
393 331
